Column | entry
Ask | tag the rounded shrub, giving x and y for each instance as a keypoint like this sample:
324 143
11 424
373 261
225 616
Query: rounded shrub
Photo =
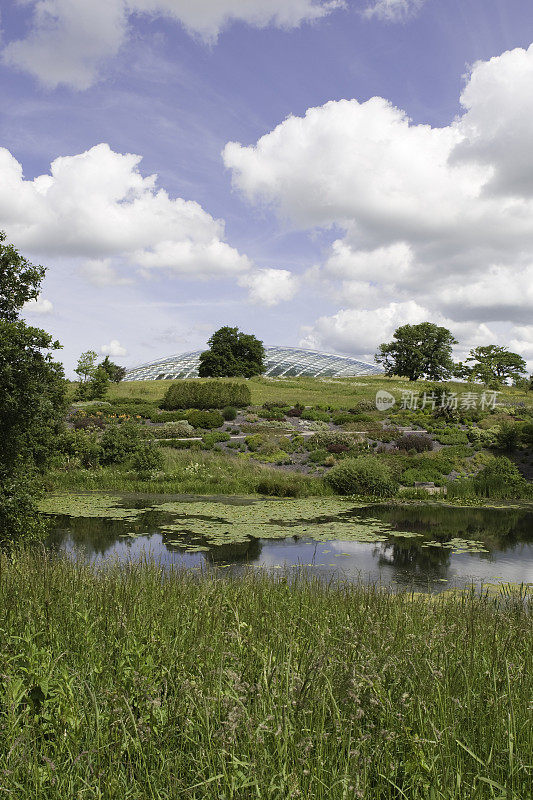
419 442
147 459
205 419
229 413
362 475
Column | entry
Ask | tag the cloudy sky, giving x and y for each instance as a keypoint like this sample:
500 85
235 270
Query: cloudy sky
317 172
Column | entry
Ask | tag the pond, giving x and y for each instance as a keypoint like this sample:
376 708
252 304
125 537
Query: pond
428 547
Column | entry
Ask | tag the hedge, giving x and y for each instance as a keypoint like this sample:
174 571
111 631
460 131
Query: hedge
206 394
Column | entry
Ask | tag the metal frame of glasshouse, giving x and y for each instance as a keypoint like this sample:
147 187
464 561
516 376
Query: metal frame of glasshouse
281 362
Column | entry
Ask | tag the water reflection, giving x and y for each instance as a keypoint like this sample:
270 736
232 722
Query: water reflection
507 535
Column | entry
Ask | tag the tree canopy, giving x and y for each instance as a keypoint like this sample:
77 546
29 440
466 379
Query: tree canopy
418 351
20 281
32 397
492 365
232 354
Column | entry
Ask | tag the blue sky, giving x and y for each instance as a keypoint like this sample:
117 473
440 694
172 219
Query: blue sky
319 179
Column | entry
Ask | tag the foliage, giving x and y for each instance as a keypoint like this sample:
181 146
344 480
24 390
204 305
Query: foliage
229 413
451 436
113 371
363 475
172 430
232 353
420 442
329 439
81 420
205 419
210 439
79 448
32 403
20 281
509 436
120 442
146 459
501 479
206 394
162 684
421 475
86 366
255 441
418 351
315 416
492 365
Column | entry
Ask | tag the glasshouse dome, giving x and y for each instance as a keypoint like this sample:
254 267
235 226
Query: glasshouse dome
281 362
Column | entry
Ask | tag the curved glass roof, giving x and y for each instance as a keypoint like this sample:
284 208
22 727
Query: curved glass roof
288 362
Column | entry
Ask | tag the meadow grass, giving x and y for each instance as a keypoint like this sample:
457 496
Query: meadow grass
192 472
337 393
133 682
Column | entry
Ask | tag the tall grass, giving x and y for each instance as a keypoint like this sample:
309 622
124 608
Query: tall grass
193 472
132 682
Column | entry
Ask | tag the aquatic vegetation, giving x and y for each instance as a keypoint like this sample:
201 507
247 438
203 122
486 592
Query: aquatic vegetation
88 505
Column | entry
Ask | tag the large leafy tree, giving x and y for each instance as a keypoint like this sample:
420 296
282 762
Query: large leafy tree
418 351
20 281
232 354
492 365
32 398
114 372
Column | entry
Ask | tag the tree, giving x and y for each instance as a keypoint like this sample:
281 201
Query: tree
114 372
232 354
492 365
32 399
20 281
418 351
86 365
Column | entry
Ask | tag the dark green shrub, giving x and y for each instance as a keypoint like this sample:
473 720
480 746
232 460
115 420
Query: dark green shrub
206 394
279 487
509 437
453 436
147 459
211 439
417 475
229 413
120 442
316 416
255 441
205 419
363 475
420 442
79 447
168 416
276 414
501 480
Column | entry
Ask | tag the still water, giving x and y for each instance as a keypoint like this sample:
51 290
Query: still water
500 550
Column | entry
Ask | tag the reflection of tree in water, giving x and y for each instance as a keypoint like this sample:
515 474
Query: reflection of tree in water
500 528
236 552
419 562
95 536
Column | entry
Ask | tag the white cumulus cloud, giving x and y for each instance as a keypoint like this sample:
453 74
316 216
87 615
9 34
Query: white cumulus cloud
97 206
69 39
269 287
38 306
114 348
441 218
